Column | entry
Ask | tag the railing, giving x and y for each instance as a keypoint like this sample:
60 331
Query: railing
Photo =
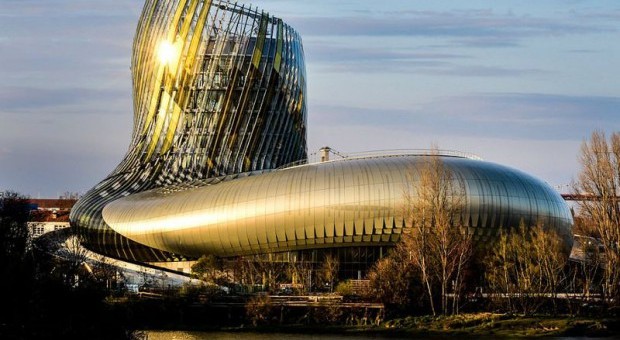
414 152
314 158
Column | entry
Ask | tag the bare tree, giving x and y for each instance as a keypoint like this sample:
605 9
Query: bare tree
73 257
499 271
512 273
299 272
459 258
584 273
271 271
552 257
591 265
600 179
104 271
438 245
244 271
258 270
526 267
259 309
417 245
329 270
392 278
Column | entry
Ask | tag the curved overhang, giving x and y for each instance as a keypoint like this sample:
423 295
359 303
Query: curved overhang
331 204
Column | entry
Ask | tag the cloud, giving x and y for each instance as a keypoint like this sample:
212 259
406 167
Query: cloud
607 15
25 100
470 28
504 115
483 71
47 9
342 59
345 59
331 52
427 67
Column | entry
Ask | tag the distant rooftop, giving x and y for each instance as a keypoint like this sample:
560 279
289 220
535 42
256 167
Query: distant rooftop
49 216
53 203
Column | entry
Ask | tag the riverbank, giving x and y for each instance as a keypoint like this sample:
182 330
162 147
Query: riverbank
501 325
485 325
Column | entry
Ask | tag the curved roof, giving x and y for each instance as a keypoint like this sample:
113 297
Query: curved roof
340 203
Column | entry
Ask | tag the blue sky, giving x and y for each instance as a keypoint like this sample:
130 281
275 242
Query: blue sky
520 83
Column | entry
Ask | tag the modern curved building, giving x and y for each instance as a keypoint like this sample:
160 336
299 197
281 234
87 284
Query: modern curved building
219 101
344 203
219 89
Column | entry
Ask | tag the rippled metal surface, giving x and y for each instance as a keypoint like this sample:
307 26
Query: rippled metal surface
342 203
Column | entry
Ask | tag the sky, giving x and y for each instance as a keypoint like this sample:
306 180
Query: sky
519 83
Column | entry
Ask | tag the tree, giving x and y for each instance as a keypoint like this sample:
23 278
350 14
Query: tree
552 259
435 247
599 178
246 272
393 279
16 261
438 245
329 271
14 240
104 271
526 266
590 266
499 271
36 299
299 272
75 257
259 309
256 270
207 267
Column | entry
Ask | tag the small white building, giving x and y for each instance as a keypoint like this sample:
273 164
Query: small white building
49 215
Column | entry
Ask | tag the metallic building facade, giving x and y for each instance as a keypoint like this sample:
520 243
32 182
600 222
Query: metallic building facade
219 110
219 89
344 203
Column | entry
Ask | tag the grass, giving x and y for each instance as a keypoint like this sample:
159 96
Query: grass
478 325
499 325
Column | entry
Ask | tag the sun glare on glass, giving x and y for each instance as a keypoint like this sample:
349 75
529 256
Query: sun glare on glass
166 52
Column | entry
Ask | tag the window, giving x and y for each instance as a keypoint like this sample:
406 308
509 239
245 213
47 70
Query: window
38 230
